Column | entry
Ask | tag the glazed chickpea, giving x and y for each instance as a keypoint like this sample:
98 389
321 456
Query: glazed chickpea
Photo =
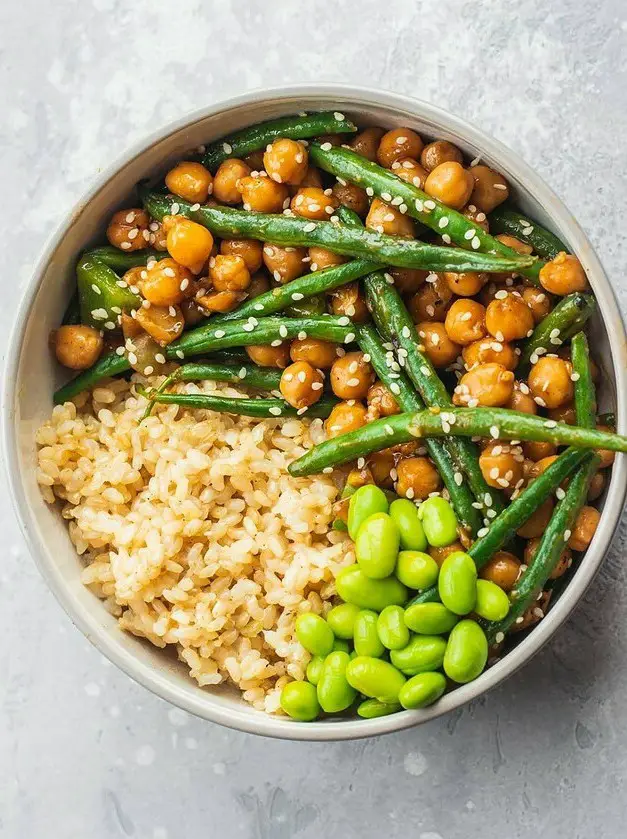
439 348
351 376
521 399
312 178
534 613
466 284
563 275
501 465
381 402
450 183
192 313
259 284
266 355
538 451
538 302
381 465
383 218
431 301
465 321
476 216
486 351
346 416
263 195
250 250
487 385
491 289
514 243
77 346
130 327
350 302
226 180
541 466
353 197
597 485
367 142
563 563
503 570
157 238
508 318
440 554
313 203
254 160
584 528
538 521
314 351
128 230
565 413
408 280
607 456
218 301
321 258
190 244
165 283
229 273
549 381
398 143
417 478
301 384
164 324
191 181
409 170
489 188
286 161
284 264
440 151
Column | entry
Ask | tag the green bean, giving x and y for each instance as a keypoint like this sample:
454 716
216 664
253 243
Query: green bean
424 652
451 225
299 701
416 569
334 692
438 521
430 618
245 407
342 618
365 636
314 669
506 220
376 546
565 320
412 535
457 583
492 602
348 217
292 231
72 314
101 299
257 137
123 261
375 678
585 401
365 502
309 307
466 652
422 690
392 629
354 586
372 708
314 633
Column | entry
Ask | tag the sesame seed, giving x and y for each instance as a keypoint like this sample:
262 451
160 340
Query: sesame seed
125 245
350 337
501 294
458 478
276 343
419 205
470 233
395 388
132 358
227 149
499 186
369 191
326 146
495 431
276 411
429 205
406 332
361 462
560 494
386 196
446 239
175 208
302 335
297 296
567 535
366 357
180 354
550 424
317 385
443 222
309 227
425 370
527 231
476 243
388 429
483 532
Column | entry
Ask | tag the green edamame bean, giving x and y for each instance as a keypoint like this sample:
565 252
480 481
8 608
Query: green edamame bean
314 633
376 546
430 618
466 652
334 692
423 653
299 700
371 708
416 569
375 678
365 502
422 690
457 583
354 586
314 669
391 627
365 636
492 602
341 619
438 521
341 644
405 514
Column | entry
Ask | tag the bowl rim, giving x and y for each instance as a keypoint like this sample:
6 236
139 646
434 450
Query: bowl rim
250 720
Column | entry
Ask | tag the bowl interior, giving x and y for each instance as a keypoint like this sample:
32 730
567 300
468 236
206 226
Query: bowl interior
32 377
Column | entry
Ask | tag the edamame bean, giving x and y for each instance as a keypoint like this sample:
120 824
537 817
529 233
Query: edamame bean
422 690
365 502
314 669
416 569
299 701
365 636
354 586
314 633
341 619
466 652
375 678
438 521
371 708
423 653
376 546
430 618
405 514
457 583
392 629
341 644
492 602
334 692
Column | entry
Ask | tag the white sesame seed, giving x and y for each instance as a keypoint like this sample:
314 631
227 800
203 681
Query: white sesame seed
419 205
326 146
180 354
175 208
297 296
350 337
483 532
386 196
276 411
458 478
446 239
226 148
125 245
132 358
476 243
309 227
430 205
495 431
443 222
276 343
499 186
470 233
567 535
302 335
501 294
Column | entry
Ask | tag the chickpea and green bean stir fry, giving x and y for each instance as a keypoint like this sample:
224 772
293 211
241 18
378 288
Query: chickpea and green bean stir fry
384 283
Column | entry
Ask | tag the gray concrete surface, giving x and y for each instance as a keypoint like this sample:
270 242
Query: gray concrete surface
84 752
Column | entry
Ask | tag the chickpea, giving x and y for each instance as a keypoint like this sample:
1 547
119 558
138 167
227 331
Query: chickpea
607 456
286 161
314 351
490 188
538 451
503 570
466 284
440 554
229 273
539 303
417 478
312 178
285 264
250 250
77 346
563 563
488 385
409 170
440 151
465 321
398 143
219 301
313 203
346 416
514 243
263 195
501 465
130 327
563 275
165 283
565 413
226 180
128 229
301 384
381 465
321 258
383 218
381 402
508 318
534 613
191 181
538 521
439 348
541 466
367 142
190 244
597 485
431 301
549 381
477 217
408 280
353 197
491 289
254 160
157 236
485 351
350 302
351 376
163 323
266 355
192 313
259 284
334 139
521 399
584 528
450 183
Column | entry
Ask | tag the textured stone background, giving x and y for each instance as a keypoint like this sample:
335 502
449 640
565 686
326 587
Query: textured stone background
84 752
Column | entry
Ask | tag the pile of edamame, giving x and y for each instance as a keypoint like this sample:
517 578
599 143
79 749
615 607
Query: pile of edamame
378 648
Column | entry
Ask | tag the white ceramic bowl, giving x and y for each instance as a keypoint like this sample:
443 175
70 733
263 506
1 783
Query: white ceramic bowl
31 376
